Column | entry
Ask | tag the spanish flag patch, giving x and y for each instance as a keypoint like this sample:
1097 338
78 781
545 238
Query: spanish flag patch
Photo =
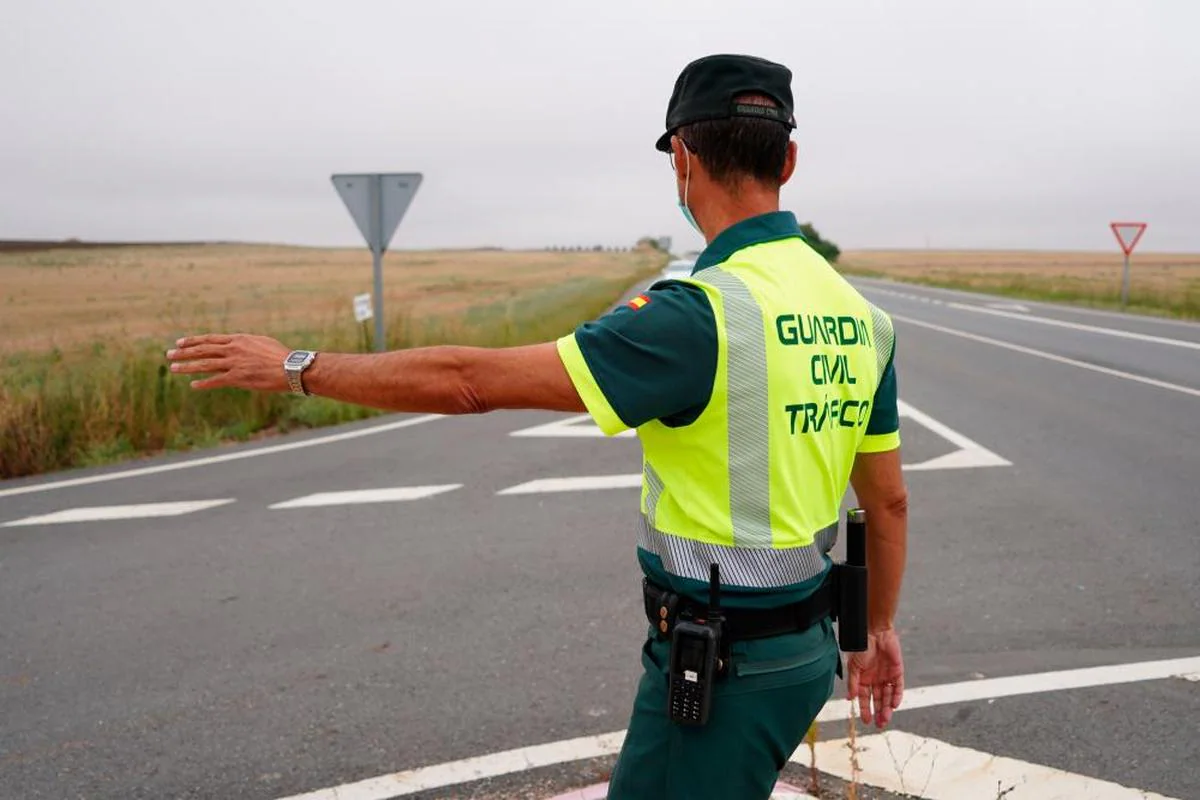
639 301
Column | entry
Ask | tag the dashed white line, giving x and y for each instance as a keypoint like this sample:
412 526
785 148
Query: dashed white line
932 769
409 782
1116 373
395 494
221 459
578 484
104 513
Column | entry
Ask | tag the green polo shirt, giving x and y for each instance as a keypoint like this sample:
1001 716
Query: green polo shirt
656 357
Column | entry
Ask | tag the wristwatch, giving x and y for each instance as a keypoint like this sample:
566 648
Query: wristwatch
294 365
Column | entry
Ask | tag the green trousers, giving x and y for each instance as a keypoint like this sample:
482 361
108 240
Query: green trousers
760 711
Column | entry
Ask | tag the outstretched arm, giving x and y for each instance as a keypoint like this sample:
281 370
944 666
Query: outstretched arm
440 380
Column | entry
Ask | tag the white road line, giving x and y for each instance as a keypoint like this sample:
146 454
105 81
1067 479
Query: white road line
1116 373
1077 326
101 513
877 285
1015 685
221 459
969 455
932 769
399 784
393 495
583 483
440 776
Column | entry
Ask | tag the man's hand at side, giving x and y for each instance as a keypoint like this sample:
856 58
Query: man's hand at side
439 380
877 676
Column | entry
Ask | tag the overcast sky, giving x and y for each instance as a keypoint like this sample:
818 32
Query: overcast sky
925 122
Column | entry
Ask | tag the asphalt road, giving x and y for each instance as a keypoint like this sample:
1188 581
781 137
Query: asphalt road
249 652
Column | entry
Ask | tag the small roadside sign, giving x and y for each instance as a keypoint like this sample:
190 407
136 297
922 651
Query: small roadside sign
362 307
1128 235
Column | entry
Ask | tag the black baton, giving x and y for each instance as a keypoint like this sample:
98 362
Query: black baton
852 585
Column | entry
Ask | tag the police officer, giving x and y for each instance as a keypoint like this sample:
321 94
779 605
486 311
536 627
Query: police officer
760 388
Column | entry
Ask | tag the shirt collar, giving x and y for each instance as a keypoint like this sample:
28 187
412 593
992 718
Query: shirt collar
759 229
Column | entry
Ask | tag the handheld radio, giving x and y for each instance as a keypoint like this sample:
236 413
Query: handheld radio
695 649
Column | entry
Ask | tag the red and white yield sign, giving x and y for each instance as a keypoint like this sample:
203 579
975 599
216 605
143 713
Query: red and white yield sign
1128 234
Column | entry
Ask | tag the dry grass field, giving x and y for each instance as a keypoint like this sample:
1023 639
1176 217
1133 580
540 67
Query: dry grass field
1167 284
64 298
83 330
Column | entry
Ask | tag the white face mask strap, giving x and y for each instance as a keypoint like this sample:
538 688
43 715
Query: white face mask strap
687 180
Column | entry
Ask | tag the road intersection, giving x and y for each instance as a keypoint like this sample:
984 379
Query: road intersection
277 619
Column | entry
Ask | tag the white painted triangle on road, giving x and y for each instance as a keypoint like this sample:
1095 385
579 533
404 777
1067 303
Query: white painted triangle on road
928 768
105 513
395 494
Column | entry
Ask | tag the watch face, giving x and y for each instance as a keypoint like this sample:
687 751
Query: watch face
297 358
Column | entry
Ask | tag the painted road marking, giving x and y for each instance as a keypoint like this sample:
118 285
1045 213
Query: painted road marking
874 285
969 454
1116 373
394 495
399 784
932 769
1009 307
409 782
580 426
101 513
1037 683
1078 326
221 459
580 484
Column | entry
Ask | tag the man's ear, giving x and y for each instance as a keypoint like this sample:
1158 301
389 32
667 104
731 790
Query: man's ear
789 162
683 163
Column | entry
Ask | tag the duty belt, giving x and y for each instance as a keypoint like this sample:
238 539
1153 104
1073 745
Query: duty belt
663 607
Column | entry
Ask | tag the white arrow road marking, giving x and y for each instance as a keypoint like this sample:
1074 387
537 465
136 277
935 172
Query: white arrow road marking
400 784
585 483
580 426
102 513
928 768
969 454
394 495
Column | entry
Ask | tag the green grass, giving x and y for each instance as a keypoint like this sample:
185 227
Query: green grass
114 401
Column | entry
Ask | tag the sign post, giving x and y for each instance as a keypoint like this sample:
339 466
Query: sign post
377 202
1128 235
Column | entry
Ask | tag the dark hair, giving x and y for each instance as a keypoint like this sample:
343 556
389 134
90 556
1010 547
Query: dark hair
736 148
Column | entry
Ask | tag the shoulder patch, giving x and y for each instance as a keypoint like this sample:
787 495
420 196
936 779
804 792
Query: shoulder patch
639 301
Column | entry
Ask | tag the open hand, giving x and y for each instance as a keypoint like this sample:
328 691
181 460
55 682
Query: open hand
877 675
239 360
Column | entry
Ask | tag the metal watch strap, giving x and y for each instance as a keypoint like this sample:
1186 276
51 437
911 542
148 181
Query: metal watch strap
295 375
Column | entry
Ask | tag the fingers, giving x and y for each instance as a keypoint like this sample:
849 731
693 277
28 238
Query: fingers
864 703
215 382
200 365
207 338
898 691
883 705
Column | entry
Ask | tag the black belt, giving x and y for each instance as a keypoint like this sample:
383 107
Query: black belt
663 607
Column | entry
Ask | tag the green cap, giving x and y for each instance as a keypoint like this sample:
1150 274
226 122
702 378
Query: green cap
707 87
